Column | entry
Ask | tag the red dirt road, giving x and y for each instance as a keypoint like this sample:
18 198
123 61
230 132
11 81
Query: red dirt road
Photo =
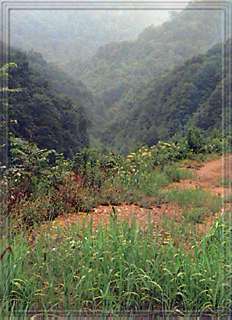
209 176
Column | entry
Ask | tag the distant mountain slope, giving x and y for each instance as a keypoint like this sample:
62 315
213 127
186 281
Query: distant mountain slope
75 35
43 114
191 93
120 66
76 91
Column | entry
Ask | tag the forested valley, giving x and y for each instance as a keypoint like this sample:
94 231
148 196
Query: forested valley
115 166
170 70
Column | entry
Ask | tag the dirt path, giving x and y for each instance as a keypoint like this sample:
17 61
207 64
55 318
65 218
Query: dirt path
101 214
212 173
207 176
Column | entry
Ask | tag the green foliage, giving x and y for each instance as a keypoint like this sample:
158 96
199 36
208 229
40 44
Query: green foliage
195 139
145 99
43 185
162 108
33 178
43 115
4 70
169 105
217 144
117 268
35 167
170 152
94 166
194 198
120 266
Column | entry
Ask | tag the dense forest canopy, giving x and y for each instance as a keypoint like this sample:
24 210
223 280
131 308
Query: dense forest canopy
190 94
120 66
43 114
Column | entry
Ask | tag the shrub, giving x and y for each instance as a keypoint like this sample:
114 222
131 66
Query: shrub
93 166
73 196
33 170
195 139
27 213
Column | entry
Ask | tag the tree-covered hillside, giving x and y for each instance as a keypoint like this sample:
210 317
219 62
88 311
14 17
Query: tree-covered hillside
190 94
130 93
45 114
163 107
120 66
61 81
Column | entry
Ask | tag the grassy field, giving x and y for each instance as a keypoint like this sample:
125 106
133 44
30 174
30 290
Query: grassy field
118 267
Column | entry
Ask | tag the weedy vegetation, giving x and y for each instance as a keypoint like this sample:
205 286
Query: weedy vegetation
118 266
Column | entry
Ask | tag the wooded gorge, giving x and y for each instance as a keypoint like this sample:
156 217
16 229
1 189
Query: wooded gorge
115 158
131 92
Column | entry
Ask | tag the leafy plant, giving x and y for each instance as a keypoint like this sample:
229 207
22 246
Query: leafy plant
195 139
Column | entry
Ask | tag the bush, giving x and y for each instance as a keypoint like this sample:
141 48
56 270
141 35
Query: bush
94 167
195 139
33 170
73 196
27 213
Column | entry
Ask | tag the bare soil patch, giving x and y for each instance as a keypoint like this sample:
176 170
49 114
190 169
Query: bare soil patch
209 176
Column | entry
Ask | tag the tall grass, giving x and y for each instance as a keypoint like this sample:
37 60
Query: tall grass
194 198
118 267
